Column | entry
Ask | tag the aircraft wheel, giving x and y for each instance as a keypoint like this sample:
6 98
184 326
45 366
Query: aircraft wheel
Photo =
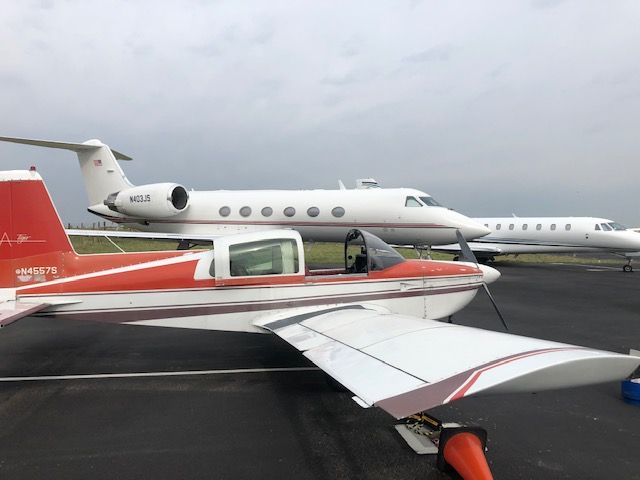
627 268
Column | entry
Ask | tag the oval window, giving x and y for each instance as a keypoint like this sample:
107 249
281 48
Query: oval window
289 212
337 212
224 211
313 211
539 226
245 211
267 211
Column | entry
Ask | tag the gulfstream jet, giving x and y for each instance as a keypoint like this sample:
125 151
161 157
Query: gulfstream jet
515 235
400 216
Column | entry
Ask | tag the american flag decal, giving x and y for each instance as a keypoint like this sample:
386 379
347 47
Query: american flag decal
97 163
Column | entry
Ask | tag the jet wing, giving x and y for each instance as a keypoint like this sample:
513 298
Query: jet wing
197 239
12 310
405 365
474 246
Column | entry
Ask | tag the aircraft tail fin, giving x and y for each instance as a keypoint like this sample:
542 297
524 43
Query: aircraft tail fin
33 241
101 172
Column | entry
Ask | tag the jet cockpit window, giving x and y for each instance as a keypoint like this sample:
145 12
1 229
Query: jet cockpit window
617 226
412 202
597 227
265 257
430 202
606 227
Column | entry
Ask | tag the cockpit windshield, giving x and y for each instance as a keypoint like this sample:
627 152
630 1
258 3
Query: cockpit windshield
430 202
374 254
617 226
412 202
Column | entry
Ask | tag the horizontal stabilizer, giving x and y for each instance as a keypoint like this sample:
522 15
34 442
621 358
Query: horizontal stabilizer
11 311
405 365
74 147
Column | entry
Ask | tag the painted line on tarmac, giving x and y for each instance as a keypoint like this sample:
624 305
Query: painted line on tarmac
99 376
590 268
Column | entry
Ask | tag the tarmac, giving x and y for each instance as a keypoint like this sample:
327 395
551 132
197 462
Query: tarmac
237 424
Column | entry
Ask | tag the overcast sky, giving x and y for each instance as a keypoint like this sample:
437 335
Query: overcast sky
494 107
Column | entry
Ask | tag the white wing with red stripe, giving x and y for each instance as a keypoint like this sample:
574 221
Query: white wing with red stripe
405 365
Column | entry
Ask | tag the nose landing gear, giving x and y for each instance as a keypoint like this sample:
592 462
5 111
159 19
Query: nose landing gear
627 267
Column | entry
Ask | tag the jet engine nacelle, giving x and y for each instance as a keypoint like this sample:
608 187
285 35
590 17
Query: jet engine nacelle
157 200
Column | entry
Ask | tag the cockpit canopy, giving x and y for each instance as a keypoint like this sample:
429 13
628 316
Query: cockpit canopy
374 254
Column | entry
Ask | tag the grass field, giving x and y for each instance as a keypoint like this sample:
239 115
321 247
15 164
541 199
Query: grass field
319 253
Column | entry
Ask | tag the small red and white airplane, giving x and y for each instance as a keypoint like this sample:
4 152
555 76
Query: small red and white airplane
401 216
370 325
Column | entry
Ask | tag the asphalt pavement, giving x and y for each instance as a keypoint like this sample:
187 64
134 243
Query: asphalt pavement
290 423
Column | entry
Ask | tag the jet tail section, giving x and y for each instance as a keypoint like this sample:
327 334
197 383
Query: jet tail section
33 243
101 172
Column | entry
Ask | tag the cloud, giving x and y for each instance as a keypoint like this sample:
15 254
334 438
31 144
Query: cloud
439 53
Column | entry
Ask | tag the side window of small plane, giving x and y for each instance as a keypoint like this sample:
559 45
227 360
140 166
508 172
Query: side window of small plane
412 202
511 226
224 211
498 226
313 211
553 226
605 227
245 211
567 227
264 257
267 211
597 227
338 212
539 226
525 226
289 212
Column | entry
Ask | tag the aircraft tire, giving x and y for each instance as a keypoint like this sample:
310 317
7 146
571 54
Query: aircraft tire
627 268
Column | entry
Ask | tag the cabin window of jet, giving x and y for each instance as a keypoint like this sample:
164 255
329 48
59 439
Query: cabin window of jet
289 212
498 227
224 211
430 202
267 211
511 226
553 226
337 212
412 202
539 226
313 211
245 211
265 257
567 227
525 226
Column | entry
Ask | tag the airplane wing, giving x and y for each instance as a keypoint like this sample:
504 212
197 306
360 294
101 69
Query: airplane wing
405 365
475 247
12 310
193 238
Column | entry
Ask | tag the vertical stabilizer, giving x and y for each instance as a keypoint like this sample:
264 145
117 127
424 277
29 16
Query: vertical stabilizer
33 242
101 172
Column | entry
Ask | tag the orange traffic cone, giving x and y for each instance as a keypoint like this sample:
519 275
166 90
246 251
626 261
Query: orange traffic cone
463 450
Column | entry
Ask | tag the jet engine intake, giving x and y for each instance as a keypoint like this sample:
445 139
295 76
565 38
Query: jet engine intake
157 200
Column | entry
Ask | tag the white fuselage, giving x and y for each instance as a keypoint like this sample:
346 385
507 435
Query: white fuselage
319 215
513 235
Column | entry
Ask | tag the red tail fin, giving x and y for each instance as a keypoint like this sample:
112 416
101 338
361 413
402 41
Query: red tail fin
33 241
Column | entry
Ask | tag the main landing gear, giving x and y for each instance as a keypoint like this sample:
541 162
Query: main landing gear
627 267
458 448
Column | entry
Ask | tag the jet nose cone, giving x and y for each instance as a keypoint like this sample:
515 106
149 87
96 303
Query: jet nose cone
489 274
471 230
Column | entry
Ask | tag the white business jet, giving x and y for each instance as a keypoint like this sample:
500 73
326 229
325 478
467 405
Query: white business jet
396 215
515 235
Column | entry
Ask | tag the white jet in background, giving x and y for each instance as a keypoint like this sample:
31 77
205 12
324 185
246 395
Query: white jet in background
399 216
516 235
